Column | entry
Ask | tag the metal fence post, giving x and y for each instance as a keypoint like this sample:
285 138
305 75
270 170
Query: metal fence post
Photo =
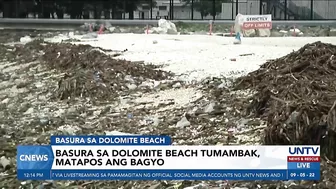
125 4
232 10
151 9
286 10
172 9
192 9
213 9
237 5
311 9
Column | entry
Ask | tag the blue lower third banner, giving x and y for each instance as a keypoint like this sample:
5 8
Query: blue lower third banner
152 174
163 161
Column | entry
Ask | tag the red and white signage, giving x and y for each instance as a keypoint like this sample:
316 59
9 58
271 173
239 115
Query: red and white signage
257 22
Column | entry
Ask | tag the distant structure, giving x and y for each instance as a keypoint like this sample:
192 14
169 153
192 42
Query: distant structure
283 9
294 9
164 8
176 9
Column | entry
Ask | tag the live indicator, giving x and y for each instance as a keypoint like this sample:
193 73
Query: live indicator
304 165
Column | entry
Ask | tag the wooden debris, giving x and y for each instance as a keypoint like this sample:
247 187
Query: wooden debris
296 94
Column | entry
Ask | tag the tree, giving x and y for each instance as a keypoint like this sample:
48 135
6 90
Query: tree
207 7
129 6
74 8
117 6
77 9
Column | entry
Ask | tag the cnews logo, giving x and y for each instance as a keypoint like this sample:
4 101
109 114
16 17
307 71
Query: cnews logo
33 157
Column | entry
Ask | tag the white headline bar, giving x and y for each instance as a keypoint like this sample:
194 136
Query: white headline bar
177 157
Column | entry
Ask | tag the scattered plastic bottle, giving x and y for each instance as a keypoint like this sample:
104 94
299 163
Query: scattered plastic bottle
129 115
96 76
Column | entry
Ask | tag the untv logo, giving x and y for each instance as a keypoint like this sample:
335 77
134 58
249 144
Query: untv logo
304 150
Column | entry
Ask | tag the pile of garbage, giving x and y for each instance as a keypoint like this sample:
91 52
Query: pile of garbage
163 27
39 78
107 97
297 96
92 72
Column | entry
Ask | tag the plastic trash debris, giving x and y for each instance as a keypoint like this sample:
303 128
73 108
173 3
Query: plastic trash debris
4 162
71 34
209 108
26 39
129 115
111 133
96 76
183 123
237 39
238 28
90 36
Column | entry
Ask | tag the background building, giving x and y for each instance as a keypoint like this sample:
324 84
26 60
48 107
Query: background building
168 9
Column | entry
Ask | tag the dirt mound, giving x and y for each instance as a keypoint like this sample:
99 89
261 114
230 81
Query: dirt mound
14 35
297 96
90 71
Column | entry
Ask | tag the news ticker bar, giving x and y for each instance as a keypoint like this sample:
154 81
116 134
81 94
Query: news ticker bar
168 174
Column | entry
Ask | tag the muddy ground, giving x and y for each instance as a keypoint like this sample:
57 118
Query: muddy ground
51 89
